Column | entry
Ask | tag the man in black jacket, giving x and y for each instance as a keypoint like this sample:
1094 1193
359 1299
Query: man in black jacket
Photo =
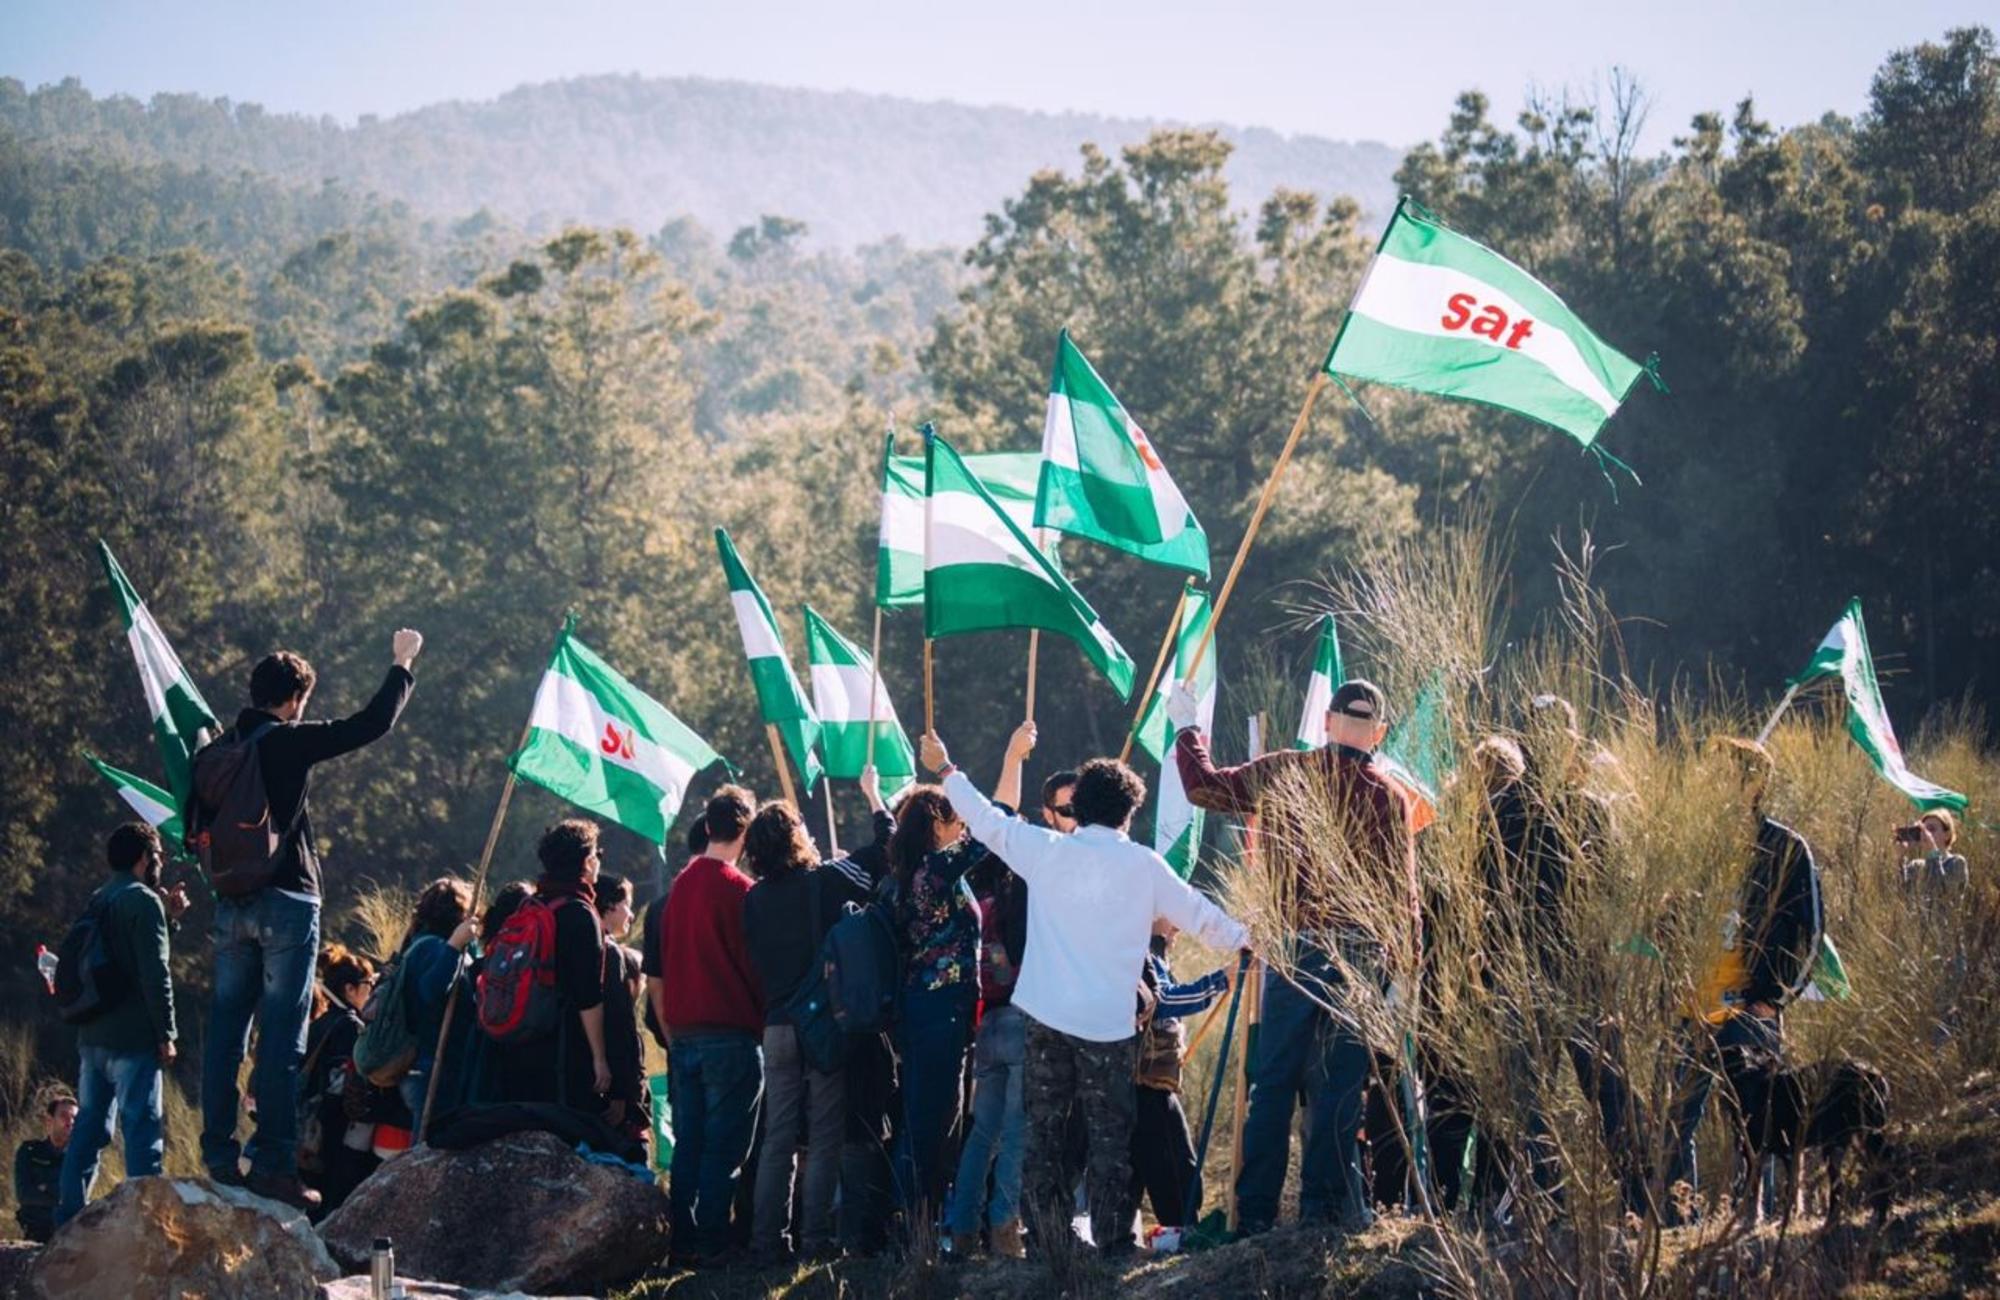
266 941
1739 1029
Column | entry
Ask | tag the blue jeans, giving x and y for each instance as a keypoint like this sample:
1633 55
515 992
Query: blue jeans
716 1082
932 1033
130 1081
265 947
1300 1046
999 1125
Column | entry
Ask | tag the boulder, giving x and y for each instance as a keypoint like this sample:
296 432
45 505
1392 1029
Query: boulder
520 1213
15 1256
175 1237
359 1287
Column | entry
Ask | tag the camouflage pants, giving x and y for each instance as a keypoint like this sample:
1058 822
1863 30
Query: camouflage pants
1060 1071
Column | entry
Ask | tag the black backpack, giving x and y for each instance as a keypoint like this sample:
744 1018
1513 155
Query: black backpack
88 980
861 965
229 823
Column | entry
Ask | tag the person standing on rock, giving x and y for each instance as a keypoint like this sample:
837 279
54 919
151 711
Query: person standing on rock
126 1045
708 998
623 1052
267 940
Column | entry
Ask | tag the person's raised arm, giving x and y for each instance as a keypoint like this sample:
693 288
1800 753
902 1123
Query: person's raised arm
1007 790
1230 790
316 742
1188 908
1017 842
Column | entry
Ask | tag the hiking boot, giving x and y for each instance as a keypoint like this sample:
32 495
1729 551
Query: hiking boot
282 1187
964 1245
229 1176
1007 1240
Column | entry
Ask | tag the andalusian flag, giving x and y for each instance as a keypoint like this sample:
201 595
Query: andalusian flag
1416 753
779 696
1176 822
1326 675
1441 314
180 715
1101 478
1829 975
842 682
1843 653
983 573
151 803
599 742
1009 476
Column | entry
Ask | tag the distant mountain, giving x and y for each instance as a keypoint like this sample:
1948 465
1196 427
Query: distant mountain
642 150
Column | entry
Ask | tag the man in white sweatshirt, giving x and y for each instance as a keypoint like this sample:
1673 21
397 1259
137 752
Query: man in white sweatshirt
1092 898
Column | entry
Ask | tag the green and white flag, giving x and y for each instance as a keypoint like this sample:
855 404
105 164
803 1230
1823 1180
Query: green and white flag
604 745
1009 477
154 805
1327 674
180 716
1829 975
982 573
842 682
1417 752
1176 822
1843 653
1442 314
1101 478
780 698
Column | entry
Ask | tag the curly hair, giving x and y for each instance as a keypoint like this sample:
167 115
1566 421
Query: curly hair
339 969
1107 793
777 843
923 810
443 903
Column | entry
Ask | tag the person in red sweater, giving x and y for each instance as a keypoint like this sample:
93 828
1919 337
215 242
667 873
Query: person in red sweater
706 994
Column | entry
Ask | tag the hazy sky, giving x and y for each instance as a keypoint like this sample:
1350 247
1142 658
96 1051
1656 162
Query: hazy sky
1381 71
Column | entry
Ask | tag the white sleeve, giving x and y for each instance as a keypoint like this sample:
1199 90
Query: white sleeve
1188 908
1017 842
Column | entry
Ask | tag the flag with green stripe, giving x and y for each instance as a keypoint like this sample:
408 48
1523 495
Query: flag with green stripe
843 682
1440 313
1101 477
1327 675
181 718
1843 653
607 747
780 698
1010 478
1417 752
982 572
1177 824
152 804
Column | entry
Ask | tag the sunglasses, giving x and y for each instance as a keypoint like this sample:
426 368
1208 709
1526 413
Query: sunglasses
1062 809
1366 714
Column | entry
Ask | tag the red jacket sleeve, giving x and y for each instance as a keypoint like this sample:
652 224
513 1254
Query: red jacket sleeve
1218 789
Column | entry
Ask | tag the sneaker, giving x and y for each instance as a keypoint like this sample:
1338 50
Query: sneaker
283 1187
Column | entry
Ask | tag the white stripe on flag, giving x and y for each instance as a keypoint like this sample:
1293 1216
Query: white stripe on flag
1413 295
152 810
1059 434
760 639
564 707
840 695
964 531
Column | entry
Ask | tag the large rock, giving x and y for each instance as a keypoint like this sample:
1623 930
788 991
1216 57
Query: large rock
181 1237
520 1213
361 1287
15 1257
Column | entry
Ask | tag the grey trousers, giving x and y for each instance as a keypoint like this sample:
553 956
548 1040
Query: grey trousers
792 1093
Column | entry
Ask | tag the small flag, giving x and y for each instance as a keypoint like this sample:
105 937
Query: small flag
842 680
779 696
1843 653
1829 975
982 573
1101 477
154 805
1442 314
1177 824
604 745
1416 754
1327 674
181 718
1009 477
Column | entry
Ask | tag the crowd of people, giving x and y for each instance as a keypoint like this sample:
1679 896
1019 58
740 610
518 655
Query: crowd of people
1016 1052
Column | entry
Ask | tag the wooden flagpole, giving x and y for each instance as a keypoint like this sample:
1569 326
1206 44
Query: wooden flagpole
930 714
874 684
1771 723
1034 654
778 758
832 831
1153 679
1256 521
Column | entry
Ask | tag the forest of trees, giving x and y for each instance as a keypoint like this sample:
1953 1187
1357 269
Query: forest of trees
303 415
641 151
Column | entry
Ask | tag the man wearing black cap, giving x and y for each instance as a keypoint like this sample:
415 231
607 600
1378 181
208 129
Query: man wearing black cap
1300 1040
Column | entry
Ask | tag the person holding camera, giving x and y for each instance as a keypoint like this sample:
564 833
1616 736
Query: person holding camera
1939 872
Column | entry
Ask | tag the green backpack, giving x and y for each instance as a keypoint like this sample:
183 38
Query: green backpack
387 1045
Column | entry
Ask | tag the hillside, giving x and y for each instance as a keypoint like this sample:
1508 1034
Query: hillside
640 151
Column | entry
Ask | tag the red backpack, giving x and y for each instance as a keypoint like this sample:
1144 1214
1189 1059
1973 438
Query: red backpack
517 986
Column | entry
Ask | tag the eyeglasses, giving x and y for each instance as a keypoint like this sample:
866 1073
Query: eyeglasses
1062 809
